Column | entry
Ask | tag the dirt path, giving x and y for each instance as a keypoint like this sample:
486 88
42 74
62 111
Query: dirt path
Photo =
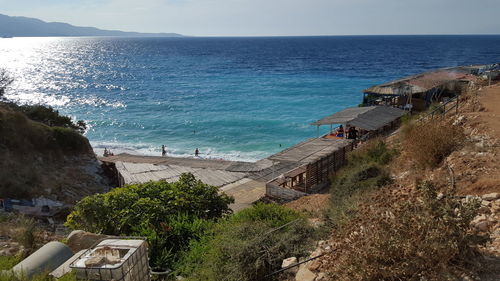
489 97
487 122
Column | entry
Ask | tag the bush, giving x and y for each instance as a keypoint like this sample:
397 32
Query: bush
247 245
435 108
428 144
25 234
418 237
51 117
168 214
364 172
69 139
5 81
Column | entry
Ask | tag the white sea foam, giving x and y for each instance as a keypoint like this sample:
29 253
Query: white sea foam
39 98
149 150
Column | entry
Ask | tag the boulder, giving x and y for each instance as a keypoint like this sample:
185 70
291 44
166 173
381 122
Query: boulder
80 240
304 274
290 261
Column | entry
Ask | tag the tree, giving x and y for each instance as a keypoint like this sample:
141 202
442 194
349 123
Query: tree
5 81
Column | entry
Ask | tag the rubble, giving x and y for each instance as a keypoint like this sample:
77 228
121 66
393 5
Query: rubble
490 196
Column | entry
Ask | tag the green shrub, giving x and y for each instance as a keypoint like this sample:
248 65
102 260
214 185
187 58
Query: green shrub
69 139
8 262
272 214
51 117
364 172
26 232
168 214
435 108
39 277
376 151
5 81
247 245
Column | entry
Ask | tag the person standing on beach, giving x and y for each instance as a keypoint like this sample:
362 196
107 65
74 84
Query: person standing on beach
163 150
196 152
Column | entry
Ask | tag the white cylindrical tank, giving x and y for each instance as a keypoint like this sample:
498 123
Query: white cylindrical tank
45 259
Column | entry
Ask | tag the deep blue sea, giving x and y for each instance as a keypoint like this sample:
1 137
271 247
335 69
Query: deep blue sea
233 98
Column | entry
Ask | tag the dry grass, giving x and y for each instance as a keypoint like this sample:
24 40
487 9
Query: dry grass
405 237
428 144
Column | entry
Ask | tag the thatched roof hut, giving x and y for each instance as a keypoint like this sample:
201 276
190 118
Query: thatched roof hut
422 89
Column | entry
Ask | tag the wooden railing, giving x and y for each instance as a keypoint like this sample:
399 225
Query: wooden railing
441 110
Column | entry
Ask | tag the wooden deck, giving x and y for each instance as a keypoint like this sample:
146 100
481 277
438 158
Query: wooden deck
310 151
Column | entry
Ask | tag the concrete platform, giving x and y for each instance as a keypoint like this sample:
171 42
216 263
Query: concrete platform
245 192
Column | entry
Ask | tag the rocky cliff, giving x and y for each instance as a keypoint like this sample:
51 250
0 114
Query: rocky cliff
36 159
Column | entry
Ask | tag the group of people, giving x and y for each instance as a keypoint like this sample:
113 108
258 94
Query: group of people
107 153
164 151
352 132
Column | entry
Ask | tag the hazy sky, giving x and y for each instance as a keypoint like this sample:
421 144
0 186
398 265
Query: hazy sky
270 17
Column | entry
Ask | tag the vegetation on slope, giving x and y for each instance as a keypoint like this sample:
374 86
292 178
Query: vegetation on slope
366 171
384 231
247 246
190 230
5 81
29 148
427 144
168 214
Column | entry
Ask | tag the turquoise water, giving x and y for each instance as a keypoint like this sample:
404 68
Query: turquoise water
233 98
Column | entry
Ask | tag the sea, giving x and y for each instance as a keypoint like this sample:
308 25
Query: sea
234 98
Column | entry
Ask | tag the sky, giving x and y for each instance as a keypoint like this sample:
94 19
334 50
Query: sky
269 17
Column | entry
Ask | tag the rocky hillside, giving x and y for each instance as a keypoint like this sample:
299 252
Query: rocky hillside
36 159
434 220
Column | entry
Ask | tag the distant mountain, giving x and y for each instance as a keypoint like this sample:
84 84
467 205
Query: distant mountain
31 27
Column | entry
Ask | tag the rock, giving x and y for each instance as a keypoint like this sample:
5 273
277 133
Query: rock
485 203
479 218
483 225
74 232
466 278
80 240
490 196
321 277
314 265
304 274
459 121
316 252
484 210
290 261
